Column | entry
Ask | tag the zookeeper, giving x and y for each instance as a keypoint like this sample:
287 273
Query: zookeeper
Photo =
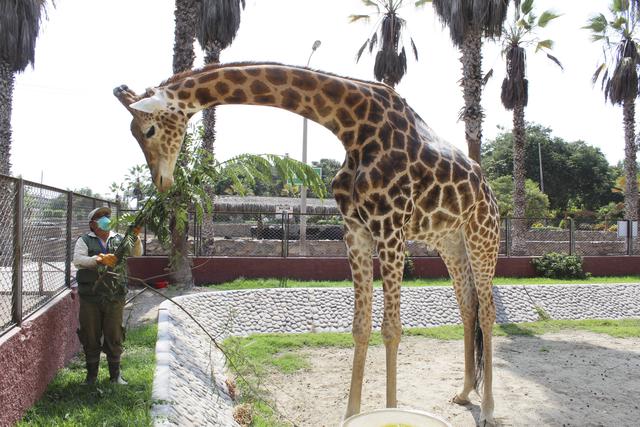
101 306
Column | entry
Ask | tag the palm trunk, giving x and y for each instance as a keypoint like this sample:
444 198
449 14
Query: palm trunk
212 56
7 78
184 35
472 87
630 165
180 262
183 58
519 177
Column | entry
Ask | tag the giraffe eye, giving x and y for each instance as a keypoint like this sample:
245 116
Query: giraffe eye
150 132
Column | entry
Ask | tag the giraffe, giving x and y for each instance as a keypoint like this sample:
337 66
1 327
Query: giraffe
399 182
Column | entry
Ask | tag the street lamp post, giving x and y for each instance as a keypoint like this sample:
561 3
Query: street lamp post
303 189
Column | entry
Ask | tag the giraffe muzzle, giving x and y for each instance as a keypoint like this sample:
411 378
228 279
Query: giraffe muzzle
120 89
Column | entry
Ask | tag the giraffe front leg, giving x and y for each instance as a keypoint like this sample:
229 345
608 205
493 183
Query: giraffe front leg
391 267
360 246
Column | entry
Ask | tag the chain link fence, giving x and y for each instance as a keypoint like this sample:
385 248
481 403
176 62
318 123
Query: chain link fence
39 225
269 234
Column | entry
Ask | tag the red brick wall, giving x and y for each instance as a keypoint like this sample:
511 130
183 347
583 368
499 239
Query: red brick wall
223 269
31 355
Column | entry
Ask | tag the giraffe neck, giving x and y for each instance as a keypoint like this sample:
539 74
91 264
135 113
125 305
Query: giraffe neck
337 103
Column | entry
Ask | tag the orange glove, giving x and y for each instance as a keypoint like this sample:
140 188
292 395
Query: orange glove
109 260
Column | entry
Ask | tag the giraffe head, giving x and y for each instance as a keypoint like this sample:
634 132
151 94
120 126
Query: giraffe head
159 128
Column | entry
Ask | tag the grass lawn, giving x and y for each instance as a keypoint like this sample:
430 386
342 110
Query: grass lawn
255 356
67 402
277 283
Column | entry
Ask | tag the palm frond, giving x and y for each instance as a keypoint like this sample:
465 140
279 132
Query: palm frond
546 17
362 48
19 28
414 48
486 77
354 18
555 60
218 22
373 42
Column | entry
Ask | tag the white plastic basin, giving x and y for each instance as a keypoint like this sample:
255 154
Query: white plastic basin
395 417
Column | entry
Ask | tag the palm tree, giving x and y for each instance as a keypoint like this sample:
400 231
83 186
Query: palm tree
468 22
618 74
218 23
19 27
184 35
520 34
391 60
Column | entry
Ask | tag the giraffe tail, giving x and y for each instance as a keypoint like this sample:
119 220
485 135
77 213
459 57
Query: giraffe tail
479 353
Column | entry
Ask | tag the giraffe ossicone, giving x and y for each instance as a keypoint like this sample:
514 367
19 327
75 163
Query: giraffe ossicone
399 182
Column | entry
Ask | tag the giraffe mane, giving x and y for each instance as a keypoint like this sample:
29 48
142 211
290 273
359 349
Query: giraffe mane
210 67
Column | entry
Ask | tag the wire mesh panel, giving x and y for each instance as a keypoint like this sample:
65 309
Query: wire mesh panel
7 203
537 236
44 245
243 234
315 235
594 238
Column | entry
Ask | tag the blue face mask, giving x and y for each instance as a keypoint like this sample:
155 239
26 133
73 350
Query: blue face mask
104 223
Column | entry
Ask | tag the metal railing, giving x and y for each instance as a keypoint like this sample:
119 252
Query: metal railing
39 225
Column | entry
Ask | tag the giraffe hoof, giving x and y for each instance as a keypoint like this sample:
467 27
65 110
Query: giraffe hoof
487 420
460 401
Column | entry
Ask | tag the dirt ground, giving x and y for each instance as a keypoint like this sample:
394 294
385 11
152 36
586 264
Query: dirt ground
560 379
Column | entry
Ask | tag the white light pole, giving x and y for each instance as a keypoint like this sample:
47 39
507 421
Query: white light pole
303 189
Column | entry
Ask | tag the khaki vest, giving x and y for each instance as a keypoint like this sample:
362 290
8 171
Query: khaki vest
113 288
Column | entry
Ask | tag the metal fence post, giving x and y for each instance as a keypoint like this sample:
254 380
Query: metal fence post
69 255
285 232
16 292
572 237
629 237
507 236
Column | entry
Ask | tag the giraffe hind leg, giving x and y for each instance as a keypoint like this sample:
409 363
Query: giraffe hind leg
454 254
483 254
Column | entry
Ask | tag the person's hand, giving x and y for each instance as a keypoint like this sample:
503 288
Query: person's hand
74 293
109 260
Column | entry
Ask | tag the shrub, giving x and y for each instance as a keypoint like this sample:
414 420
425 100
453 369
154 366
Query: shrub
559 266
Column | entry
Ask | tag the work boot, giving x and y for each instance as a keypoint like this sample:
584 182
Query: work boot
92 373
114 374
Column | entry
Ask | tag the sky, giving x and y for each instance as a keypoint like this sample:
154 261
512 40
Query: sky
69 129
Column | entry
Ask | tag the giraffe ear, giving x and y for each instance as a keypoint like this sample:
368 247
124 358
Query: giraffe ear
149 105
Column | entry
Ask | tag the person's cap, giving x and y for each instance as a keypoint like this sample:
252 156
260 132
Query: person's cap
101 211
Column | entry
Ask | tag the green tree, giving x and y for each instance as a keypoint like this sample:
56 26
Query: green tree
218 22
329 169
19 28
619 76
520 34
536 202
469 21
391 59
573 172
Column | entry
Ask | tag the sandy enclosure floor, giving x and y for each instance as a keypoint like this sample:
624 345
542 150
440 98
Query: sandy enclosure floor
561 379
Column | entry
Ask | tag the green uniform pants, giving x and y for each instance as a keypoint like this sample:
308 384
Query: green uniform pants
101 329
